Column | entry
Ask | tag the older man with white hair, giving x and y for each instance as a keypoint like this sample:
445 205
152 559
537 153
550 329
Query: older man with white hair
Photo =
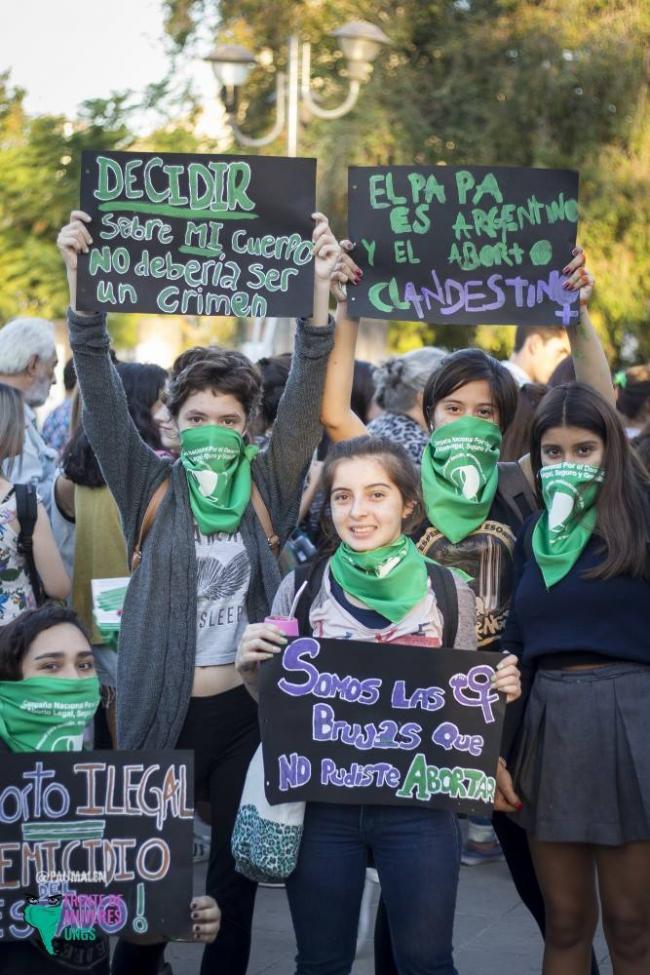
27 362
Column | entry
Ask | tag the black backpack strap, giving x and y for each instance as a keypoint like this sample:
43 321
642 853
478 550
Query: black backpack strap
312 573
515 490
444 589
27 513
528 537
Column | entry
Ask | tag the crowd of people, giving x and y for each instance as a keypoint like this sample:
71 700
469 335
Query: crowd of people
443 499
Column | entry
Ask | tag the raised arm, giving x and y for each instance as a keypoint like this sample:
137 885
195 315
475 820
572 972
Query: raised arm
131 469
281 469
340 422
588 354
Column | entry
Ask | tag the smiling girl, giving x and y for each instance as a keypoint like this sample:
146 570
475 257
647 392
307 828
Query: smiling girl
376 587
579 623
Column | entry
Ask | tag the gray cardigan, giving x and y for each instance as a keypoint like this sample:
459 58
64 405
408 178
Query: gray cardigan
158 638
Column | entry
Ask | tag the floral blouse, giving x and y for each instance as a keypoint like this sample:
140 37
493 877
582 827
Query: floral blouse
15 589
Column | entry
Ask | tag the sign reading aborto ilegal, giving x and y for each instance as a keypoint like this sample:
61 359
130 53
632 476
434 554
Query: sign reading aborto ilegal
381 724
197 234
463 246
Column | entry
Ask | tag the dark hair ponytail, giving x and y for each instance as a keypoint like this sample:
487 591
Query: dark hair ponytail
622 506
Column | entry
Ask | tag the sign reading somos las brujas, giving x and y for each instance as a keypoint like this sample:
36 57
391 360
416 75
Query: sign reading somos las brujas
197 234
466 246
345 721
95 841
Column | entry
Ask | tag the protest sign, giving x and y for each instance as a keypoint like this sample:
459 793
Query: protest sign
345 721
197 234
95 842
463 246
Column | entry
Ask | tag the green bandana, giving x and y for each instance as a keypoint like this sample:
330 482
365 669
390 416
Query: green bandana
46 714
217 463
559 537
390 580
460 475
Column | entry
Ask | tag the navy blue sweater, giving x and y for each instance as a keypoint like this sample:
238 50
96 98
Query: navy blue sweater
602 616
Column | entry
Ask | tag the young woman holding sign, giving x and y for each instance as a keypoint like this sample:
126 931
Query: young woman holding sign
49 691
475 505
579 621
375 587
208 563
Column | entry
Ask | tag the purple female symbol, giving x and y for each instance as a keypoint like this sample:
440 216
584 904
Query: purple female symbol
476 681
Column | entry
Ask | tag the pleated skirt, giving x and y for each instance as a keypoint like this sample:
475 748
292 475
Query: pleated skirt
582 762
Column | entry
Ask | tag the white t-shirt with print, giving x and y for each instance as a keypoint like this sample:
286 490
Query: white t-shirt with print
223 579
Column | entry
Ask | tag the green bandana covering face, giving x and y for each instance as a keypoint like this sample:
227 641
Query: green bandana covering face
217 463
46 714
559 537
390 580
460 475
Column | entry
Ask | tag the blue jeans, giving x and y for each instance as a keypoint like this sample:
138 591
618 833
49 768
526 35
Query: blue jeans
417 856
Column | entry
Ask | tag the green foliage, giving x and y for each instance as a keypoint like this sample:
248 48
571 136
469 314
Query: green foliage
490 82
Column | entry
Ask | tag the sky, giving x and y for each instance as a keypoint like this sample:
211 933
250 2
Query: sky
65 51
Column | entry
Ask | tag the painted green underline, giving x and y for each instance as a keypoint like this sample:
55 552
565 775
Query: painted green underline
200 251
161 210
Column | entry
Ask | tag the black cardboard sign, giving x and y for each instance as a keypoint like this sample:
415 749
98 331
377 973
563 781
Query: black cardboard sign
463 246
197 234
351 722
100 841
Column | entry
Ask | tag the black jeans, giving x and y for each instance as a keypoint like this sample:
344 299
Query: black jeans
223 732
514 843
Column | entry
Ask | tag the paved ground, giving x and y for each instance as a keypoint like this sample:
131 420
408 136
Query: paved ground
494 934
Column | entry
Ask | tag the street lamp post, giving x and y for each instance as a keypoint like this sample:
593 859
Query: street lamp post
231 64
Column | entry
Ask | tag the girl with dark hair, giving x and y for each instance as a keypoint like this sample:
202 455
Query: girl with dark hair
375 587
45 659
207 565
578 622
473 503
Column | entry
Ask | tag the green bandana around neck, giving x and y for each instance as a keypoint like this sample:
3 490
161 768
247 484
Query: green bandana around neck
390 580
46 714
570 492
460 475
217 464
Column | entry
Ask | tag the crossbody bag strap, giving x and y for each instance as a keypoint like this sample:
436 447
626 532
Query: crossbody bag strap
149 516
264 519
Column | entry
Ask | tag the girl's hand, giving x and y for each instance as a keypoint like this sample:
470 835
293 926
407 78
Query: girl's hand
73 240
345 271
260 642
206 919
327 249
578 277
507 679
506 799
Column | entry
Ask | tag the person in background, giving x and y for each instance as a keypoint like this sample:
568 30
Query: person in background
399 385
56 428
538 350
564 372
578 621
45 658
16 590
633 400
275 372
517 437
27 362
